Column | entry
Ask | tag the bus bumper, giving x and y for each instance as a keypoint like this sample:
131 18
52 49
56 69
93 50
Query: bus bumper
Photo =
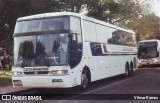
43 81
148 62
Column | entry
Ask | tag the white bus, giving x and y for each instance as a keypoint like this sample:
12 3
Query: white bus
149 52
64 49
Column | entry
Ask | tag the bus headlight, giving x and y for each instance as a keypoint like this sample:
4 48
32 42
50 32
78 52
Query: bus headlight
17 73
155 60
59 72
140 61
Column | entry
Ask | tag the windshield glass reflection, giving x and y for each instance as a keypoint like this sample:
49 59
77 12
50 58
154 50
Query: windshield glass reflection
41 50
147 50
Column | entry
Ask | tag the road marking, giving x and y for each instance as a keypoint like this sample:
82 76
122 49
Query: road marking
101 88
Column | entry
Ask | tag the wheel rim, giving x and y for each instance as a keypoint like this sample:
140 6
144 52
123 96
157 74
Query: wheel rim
84 79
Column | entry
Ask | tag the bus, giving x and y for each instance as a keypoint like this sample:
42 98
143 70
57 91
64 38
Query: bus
148 52
2 54
64 49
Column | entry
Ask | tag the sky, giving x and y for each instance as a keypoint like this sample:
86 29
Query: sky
156 7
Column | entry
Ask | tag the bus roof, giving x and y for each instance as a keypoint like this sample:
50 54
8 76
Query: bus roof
54 14
48 15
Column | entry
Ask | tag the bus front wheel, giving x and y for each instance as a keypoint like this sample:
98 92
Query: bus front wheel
127 70
84 79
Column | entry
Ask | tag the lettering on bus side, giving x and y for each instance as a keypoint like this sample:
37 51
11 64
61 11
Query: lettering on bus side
127 49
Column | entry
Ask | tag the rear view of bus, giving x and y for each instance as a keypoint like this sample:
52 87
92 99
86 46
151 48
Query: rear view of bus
148 52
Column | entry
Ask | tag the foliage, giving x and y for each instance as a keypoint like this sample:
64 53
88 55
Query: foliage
5 73
119 12
146 27
9 12
115 12
5 78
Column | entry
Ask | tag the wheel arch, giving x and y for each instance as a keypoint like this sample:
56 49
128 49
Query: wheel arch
131 64
127 64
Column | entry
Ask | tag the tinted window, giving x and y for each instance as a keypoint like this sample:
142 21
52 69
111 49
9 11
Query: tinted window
147 44
122 38
60 23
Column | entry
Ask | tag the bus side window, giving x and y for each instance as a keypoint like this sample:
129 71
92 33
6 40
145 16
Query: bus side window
33 26
114 39
129 40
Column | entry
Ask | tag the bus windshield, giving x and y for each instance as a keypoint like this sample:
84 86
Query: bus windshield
49 24
41 50
147 50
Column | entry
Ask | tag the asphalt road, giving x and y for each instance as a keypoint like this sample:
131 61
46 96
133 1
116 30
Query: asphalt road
139 88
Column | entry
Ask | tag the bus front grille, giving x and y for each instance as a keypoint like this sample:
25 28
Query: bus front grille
36 72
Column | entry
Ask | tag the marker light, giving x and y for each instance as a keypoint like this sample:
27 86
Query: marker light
17 73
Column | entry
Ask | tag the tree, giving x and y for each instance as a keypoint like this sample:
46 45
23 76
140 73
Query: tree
113 11
147 24
10 10
146 27
40 6
120 12
67 5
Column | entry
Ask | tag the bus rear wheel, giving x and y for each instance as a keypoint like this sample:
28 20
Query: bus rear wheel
131 70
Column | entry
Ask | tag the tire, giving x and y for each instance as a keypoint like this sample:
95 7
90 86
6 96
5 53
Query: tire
127 72
131 70
84 80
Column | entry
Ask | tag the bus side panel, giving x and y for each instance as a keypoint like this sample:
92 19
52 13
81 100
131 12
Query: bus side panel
89 60
89 31
108 56
111 63
89 35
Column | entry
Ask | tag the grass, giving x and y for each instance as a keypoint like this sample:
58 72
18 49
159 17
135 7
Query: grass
5 78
